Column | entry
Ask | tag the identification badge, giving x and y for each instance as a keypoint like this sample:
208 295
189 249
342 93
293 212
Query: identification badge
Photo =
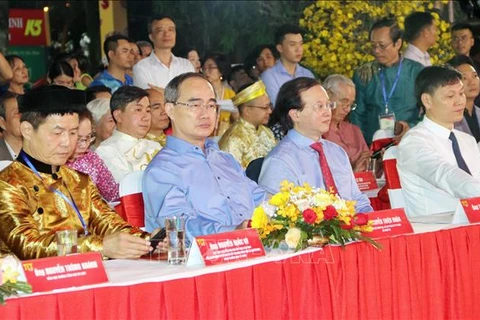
387 122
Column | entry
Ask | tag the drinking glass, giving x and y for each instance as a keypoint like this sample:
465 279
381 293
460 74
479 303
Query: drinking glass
67 241
175 227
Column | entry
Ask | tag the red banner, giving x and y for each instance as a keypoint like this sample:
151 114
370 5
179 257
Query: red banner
225 247
74 270
388 223
471 206
28 27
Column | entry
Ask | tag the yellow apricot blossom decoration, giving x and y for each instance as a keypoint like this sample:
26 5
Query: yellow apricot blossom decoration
337 32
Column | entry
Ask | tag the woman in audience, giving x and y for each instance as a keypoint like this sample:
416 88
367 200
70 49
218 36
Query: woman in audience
341 90
20 74
85 78
261 58
192 55
216 68
102 120
471 116
88 162
61 73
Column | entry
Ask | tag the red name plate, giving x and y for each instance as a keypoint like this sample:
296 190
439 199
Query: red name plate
73 270
471 206
365 180
225 247
388 223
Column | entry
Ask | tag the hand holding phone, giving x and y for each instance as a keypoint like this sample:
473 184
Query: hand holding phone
157 238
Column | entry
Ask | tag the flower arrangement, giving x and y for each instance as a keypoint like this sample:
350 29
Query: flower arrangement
337 32
297 215
12 278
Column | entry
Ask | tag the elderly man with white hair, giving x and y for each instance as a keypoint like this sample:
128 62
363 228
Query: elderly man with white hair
341 90
103 120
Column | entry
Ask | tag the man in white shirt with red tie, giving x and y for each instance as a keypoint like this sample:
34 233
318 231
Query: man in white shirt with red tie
437 164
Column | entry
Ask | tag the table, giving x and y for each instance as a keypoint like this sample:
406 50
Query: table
432 275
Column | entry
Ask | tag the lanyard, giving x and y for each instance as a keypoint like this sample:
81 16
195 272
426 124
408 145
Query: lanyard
61 194
384 91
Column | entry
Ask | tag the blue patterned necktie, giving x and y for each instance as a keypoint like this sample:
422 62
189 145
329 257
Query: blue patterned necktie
458 155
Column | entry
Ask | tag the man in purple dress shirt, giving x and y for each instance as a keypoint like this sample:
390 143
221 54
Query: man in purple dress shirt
305 110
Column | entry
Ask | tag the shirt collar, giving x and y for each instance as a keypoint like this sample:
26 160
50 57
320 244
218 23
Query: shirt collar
37 164
437 129
124 136
182 146
155 59
300 140
281 68
108 76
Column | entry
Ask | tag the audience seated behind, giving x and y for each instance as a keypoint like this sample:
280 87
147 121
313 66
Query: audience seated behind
127 149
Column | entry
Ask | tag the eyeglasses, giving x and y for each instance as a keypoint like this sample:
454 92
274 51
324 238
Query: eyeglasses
461 38
87 140
345 103
266 107
381 47
324 106
196 106
205 68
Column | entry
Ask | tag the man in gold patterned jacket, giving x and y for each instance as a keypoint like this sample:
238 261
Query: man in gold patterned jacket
248 138
39 195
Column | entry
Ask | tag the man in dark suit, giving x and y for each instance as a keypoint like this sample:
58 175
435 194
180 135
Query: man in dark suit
11 142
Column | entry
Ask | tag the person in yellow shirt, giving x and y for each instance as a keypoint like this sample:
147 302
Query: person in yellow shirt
248 138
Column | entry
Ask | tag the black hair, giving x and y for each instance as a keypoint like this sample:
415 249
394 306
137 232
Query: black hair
459 60
395 31
286 29
222 62
91 92
234 70
432 78
172 90
11 59
288 98
111 43
125 95
461 25
415 23
157 18
58 68
83 62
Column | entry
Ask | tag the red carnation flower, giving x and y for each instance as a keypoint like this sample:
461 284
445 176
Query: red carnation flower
309 216
360 219
330 212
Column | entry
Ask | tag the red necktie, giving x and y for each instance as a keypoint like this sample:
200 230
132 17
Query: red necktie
327 174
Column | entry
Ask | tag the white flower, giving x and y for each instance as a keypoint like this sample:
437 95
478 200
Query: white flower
293 237
321 199
269 209
302 204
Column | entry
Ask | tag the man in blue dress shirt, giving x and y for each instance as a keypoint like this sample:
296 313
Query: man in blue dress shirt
190 176
289 41
305 111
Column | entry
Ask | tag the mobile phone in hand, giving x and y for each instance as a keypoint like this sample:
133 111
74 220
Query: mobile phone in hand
157 238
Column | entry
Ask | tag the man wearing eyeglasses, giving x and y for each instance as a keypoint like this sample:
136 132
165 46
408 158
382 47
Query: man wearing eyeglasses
302 156
341 90
385 86
248 138
462 38
190 176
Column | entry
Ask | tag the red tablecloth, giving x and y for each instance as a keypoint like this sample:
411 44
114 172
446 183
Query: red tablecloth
426 276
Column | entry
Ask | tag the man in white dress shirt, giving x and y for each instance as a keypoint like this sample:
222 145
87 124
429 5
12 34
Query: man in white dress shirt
161 66
421 35
437 164
127 150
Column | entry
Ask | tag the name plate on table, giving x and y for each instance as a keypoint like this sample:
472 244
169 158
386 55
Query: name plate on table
225 247
365 180
74 270
467 209
388 223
